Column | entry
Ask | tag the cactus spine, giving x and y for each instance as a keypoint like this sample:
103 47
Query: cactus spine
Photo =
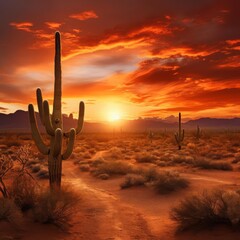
179 136
53 124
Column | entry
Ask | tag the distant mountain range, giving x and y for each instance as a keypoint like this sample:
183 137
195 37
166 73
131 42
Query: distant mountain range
18 121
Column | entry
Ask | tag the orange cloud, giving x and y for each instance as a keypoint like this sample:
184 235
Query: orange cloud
53 25
155 29
84 15
24 26
233 42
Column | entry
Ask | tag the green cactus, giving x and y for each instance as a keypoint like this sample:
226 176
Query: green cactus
53 124
179 136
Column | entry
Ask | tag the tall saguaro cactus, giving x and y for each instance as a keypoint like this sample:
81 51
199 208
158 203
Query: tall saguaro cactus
179 136
53 124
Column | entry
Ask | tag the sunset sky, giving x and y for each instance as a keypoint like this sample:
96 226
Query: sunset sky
124 58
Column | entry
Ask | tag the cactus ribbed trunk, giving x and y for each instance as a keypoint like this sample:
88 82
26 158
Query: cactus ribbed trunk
57 104
55 162
179 129
53 124
179 136
55 169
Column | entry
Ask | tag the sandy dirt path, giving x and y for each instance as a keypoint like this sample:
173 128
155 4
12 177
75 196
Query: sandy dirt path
103 216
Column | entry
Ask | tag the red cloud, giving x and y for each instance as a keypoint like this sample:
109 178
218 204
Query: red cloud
25 26
53 25
84 15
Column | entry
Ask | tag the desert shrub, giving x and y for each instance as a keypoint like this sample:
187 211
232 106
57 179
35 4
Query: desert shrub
145 158
92 151
85 162
6 165
162 181
166 157
150 174
43 174
24 192
180 159
113 168
214 155
32 162
56 207
133 180
222 165
103 176
162 163
206 209
36 168
76 161
86 155
10 212
98 161
237 158
84 167
168 182
191 146
113 153
207 164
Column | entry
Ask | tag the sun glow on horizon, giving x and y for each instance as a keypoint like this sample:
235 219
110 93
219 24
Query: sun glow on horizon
114 116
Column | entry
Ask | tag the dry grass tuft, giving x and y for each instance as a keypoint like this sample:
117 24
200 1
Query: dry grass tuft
24 192
162 181
169 181
113 168
218 165
145 158
56 207
10 212
133 180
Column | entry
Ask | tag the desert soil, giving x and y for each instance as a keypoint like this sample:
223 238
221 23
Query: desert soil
105 212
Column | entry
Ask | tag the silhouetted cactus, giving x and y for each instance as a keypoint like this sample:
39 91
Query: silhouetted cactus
53 124
198 133
179 136
150 136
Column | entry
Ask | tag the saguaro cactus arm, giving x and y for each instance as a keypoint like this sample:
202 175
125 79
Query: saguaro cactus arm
80 119
70 145
35 132
40 105
57 146
47 119
183 133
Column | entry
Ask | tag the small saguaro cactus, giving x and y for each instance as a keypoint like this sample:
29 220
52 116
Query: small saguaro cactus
150 136
198 133
179 136
53 124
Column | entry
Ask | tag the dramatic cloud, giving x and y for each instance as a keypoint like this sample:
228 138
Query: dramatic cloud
53 25
25 26
151 59
84 15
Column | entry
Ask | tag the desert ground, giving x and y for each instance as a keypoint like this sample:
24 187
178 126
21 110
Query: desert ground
127 185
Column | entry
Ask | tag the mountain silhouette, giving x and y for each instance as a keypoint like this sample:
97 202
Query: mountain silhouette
19 121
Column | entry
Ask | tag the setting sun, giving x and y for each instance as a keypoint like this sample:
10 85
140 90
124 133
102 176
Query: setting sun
114 116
